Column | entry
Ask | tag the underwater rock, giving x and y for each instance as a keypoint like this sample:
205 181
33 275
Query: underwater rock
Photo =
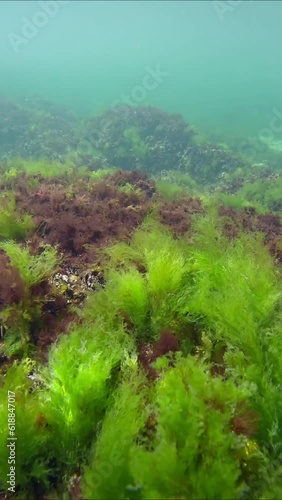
35 129
207 162
13 125
126 137
139 137
152 140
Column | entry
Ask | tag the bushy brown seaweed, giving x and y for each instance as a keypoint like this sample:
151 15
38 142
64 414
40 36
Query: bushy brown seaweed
83 217
249 220
245 421
178 214
148 353
12 287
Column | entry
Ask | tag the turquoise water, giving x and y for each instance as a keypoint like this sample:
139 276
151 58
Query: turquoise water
217 63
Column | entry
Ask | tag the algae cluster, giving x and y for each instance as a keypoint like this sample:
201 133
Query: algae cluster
140 311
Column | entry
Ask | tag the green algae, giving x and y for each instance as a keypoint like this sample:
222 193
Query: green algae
203 422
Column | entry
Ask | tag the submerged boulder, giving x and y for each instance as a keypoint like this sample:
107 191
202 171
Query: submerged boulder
152 140
139 137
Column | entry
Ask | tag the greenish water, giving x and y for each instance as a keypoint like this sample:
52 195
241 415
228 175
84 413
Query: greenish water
217 63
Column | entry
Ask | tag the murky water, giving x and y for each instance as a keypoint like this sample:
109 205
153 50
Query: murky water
216 62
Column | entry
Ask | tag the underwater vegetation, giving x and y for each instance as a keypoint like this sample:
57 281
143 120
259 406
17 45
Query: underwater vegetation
35 129
143 137
140 314
154 141
258 186
126 137
169 376
13 224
